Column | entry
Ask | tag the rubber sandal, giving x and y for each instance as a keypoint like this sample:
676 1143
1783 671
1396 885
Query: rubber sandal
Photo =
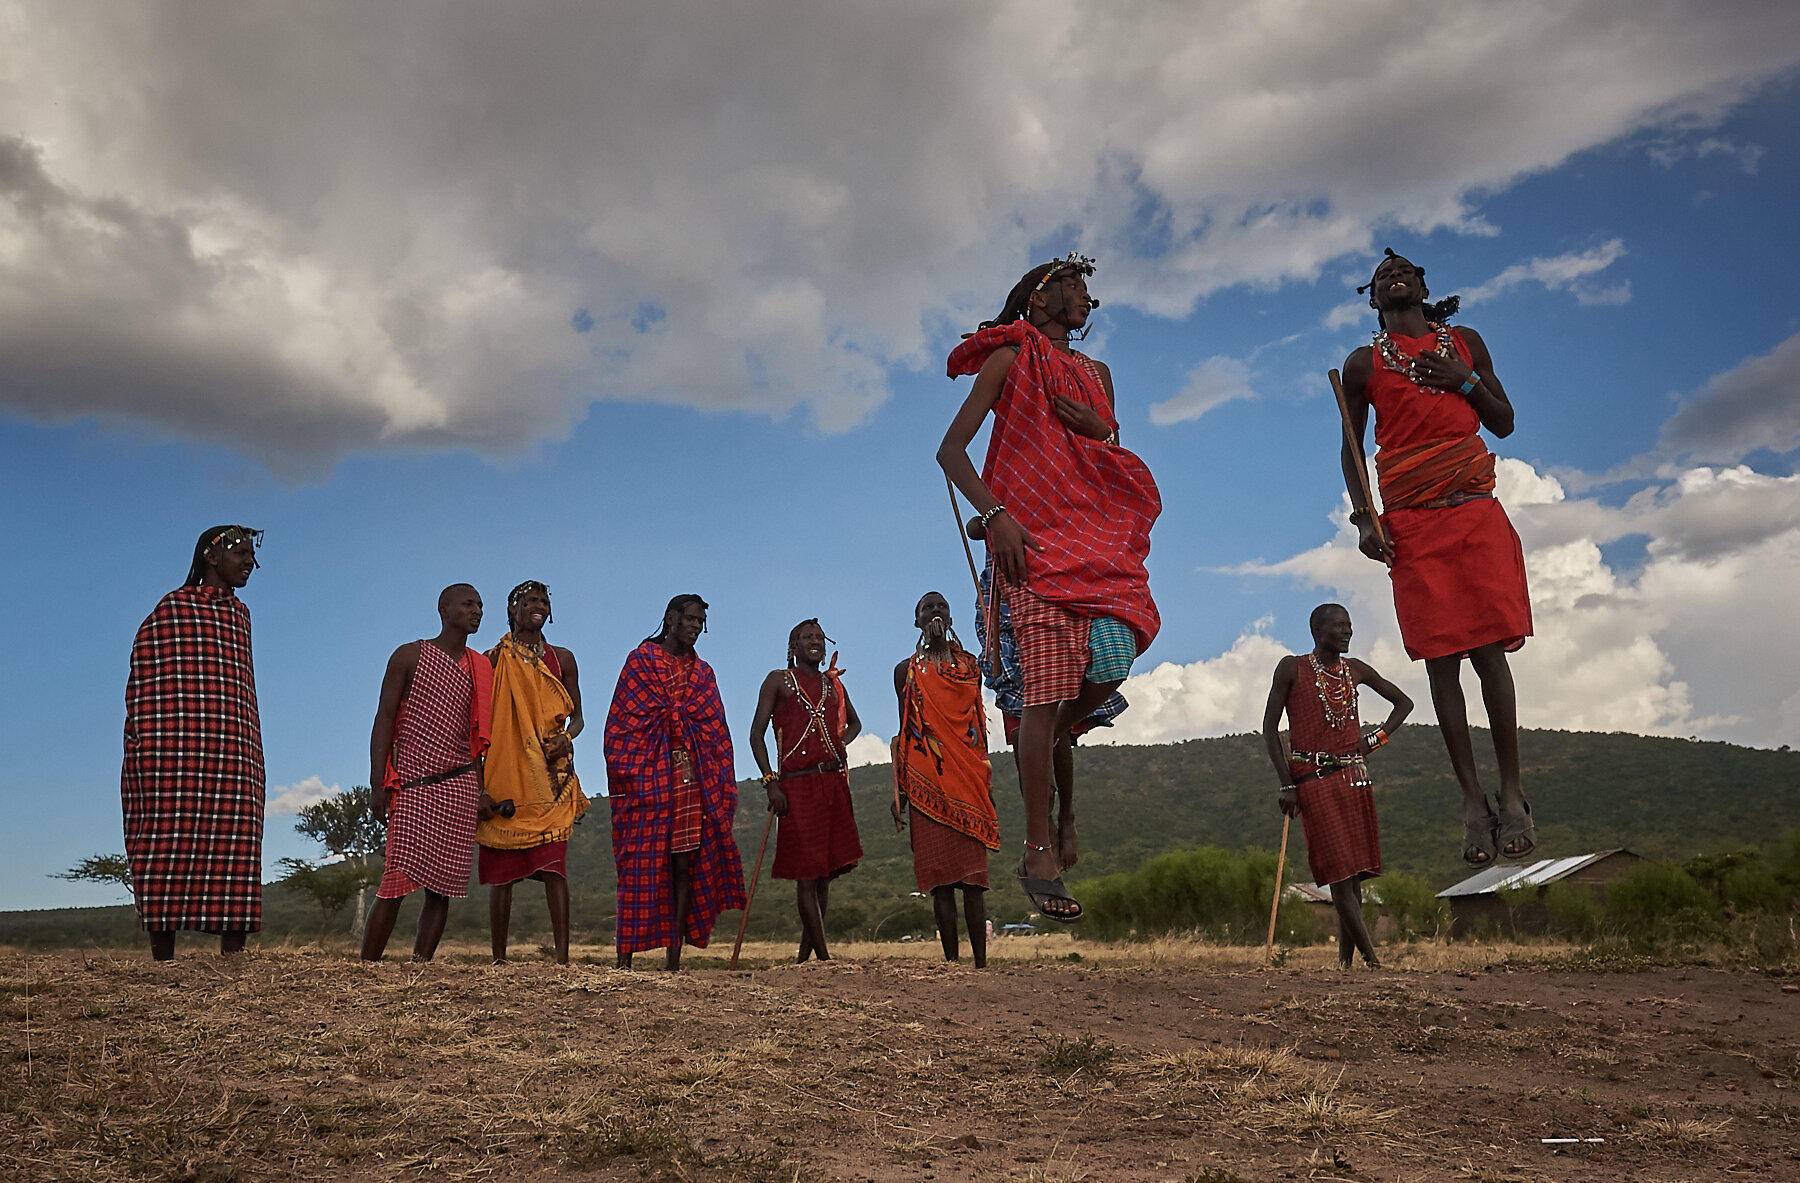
1041 890
1516 828
1480 837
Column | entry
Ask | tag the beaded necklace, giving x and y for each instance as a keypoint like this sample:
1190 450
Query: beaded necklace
815 713
1399 362
1337 690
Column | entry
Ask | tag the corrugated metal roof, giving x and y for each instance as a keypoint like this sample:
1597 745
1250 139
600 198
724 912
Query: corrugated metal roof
1312 893
1537 874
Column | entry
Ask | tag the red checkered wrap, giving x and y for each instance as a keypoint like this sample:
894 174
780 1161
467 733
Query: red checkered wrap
644 724
1053 645
1088 503
1337 815
689 813
192 783
431 828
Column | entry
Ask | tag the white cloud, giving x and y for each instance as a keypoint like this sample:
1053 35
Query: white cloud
1574 271
303 231
1684 645
1751 406
1213 382
297 796
1347 315
868 749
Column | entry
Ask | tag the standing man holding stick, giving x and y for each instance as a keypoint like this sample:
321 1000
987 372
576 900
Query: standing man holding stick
809 787
1323 778
1456 564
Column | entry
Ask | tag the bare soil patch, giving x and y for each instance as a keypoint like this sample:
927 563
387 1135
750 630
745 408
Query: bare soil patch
1171 1062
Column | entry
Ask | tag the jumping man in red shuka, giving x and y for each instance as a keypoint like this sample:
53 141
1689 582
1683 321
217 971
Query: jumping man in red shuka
1067 513
1456 565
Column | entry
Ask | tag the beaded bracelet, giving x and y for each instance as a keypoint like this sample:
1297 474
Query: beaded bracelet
769 778
1470 383
1377 739
988 515
1113 437
1360 512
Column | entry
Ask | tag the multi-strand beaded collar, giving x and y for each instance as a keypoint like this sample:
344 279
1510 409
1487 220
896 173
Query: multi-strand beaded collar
1337 690
1399 362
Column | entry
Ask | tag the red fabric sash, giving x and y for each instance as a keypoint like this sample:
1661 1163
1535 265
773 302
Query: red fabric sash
1089 504
1428 474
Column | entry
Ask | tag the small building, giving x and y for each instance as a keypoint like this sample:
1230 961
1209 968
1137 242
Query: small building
1477 905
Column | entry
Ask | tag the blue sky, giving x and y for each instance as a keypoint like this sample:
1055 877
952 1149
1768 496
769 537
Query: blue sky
440 321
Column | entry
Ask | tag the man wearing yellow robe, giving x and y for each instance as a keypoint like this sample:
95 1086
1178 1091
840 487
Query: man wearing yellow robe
532 797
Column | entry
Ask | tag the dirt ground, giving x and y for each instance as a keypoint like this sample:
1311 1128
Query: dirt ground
1059 1062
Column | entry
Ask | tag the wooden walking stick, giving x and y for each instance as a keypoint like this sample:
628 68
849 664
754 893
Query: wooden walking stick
989 641
1280 864
1362 465
755 877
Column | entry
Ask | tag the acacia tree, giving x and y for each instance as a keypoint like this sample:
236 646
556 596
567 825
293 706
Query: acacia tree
100 868
346 826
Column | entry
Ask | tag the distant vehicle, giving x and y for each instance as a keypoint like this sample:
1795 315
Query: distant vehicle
1017 930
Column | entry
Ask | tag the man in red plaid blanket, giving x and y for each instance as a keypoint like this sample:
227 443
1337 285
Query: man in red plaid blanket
1323 776
192 783
1067 514
673 788
425 761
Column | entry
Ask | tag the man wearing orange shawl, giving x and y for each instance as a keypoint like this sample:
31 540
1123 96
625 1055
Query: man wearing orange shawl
1067 515
532 798
941 773
1455 561
809 787
431 729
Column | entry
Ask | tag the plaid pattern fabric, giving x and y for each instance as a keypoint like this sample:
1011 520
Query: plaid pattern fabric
642 726
1009 685
1090 504
1111 650
1343 840
1053 646
192 783
431 828
500 867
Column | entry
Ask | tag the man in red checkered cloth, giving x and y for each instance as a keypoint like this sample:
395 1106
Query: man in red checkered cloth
1067 513
425 761
192 783
1323 775
673 788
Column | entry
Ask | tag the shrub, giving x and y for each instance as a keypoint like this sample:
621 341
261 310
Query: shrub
1413 909
1217 893
1573 912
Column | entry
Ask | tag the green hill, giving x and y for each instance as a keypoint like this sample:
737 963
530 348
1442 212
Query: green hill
1663 798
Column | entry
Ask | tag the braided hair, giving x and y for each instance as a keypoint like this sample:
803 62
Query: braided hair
673 613
213 537
1018 301
518 593
1441 312
794 635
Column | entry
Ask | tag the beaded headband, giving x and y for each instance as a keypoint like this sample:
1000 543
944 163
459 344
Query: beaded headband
518 593
1072 262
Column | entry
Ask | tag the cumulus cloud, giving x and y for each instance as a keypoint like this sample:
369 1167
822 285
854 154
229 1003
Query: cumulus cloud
1574 271
1213 382
868 749
302 231
1686 644
297 796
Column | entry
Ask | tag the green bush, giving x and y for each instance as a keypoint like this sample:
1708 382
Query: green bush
1413 909
1574 912
1217 893
1754 888
1654 892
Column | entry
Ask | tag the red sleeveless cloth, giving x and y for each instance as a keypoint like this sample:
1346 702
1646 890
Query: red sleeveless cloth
1089 503
1459 572
817 839
431 828
1337 811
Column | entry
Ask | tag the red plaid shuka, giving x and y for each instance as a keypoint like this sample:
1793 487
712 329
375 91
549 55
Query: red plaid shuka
192 784
644 724
431 828
1090 504
1337 810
